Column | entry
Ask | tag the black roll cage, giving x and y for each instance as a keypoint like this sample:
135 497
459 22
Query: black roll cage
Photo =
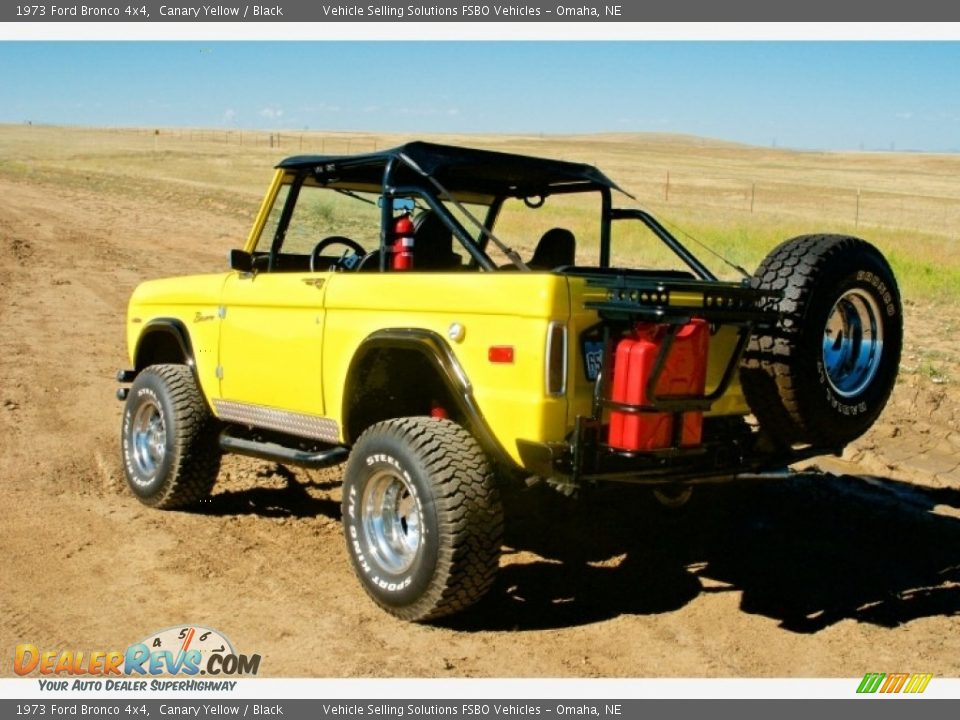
407 171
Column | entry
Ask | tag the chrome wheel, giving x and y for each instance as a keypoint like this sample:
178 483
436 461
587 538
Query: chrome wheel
422 517
148 436
852 342
168 438
391 520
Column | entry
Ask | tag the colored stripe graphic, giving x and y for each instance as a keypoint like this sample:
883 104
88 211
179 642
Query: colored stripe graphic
914 683
870 683
918 682
894 682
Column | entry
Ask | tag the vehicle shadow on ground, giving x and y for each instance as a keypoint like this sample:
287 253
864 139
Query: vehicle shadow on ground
291 499
807 552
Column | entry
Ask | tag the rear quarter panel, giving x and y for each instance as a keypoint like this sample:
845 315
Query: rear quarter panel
494 308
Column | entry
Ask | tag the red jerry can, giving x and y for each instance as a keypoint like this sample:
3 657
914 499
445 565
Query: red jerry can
684 373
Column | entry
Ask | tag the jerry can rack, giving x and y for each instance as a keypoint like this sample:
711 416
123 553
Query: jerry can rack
671 304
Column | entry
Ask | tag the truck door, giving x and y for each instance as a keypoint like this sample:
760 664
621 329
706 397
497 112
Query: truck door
270 340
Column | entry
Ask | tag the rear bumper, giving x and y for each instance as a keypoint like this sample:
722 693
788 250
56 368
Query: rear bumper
720 458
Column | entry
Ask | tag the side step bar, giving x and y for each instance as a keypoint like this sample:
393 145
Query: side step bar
282 454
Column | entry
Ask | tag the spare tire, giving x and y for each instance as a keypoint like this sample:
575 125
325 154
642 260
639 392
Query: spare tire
823 373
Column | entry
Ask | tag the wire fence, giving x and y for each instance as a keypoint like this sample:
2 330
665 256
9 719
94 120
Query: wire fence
311 142
858 206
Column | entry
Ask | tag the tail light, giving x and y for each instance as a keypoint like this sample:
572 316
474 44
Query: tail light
556 358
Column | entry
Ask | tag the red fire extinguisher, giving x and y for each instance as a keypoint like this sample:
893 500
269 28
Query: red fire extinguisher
402 243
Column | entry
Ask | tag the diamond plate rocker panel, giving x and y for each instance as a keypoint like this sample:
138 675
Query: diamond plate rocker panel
309 426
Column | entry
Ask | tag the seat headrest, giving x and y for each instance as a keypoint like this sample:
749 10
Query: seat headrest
557 247
433 243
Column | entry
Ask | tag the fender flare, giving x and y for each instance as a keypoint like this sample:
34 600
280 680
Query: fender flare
170 327
441 358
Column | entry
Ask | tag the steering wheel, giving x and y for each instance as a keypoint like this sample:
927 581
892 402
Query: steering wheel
333 240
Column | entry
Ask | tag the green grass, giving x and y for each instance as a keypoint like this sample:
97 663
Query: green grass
924 277
927 266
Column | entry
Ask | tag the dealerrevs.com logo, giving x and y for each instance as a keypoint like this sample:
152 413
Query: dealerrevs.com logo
189 650
892 683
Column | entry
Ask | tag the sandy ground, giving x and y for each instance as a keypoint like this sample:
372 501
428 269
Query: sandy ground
833 573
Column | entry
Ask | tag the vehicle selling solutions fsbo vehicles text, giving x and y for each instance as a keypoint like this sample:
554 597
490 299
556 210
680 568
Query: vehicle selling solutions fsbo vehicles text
467 10
420 10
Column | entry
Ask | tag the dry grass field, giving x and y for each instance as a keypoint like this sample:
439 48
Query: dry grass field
739 200
850 566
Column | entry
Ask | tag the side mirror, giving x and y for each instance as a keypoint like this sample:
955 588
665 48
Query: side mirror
241 260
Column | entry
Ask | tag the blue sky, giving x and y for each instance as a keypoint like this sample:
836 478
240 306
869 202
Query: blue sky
807 95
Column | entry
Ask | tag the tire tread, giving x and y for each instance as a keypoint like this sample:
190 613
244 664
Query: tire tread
770 372
196 453
469 513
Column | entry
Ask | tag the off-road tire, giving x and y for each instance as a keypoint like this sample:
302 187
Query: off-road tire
798 379
422 517
171 454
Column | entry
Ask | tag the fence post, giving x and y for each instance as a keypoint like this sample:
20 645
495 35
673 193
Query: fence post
856 218
753 194
666 188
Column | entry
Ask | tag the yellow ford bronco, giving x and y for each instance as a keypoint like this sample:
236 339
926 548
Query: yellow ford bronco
446 320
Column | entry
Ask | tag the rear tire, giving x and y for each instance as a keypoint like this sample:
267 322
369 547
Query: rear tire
171 456
824 373
422 517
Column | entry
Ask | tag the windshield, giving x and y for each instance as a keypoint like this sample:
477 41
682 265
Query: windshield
321 213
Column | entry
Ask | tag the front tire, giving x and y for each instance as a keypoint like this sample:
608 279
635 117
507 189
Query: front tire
422 517
824 373
171 456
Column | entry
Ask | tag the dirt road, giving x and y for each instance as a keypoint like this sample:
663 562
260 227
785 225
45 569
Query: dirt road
818 576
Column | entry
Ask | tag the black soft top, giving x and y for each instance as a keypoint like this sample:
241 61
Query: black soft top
460 170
